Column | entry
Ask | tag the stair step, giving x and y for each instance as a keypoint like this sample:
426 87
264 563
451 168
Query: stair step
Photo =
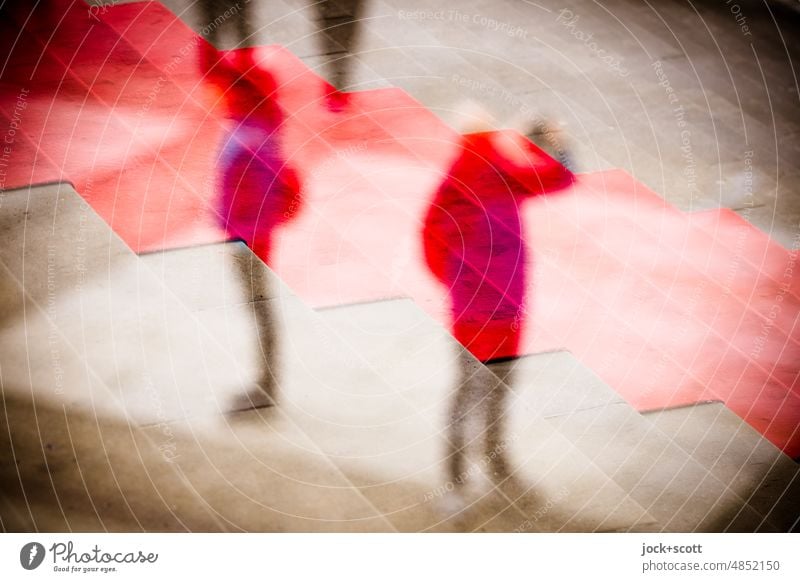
67 468
92 333
398 331
109 138
257 471
100 362
601 270
378 405
752 466
750 396
680 489
20 161
90 342
364 388
92 308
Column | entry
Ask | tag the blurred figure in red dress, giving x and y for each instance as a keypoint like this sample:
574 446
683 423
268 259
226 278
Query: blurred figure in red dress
257 191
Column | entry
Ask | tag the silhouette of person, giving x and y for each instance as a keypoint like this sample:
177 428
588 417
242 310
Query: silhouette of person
474 245
339 22
258 191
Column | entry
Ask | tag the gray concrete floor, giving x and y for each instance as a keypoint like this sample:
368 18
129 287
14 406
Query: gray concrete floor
698 100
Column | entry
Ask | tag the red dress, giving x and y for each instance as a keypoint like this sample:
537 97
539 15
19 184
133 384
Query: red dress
473 237
258 190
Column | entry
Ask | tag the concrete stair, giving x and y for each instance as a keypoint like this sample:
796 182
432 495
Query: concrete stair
191 390
737 455
355 443
697 468
96 370
109 152
378 405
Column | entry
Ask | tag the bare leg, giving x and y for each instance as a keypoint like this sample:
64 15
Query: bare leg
476 416
456 453
216 15
244 26
339 24
497 440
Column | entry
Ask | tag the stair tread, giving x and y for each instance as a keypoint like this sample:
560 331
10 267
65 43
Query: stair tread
129 350
94 407
376 408
683 490
680 493
738 455
750 373
104 474
89 299
78 472
741 350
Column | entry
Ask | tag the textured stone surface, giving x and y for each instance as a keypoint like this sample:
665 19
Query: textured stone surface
695 468
371 385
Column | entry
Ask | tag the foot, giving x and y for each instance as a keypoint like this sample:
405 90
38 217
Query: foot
256 397
337 101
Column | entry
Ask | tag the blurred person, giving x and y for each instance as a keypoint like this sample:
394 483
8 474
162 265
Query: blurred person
474 245
257 189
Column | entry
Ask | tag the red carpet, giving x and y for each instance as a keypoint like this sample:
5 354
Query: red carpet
668 308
